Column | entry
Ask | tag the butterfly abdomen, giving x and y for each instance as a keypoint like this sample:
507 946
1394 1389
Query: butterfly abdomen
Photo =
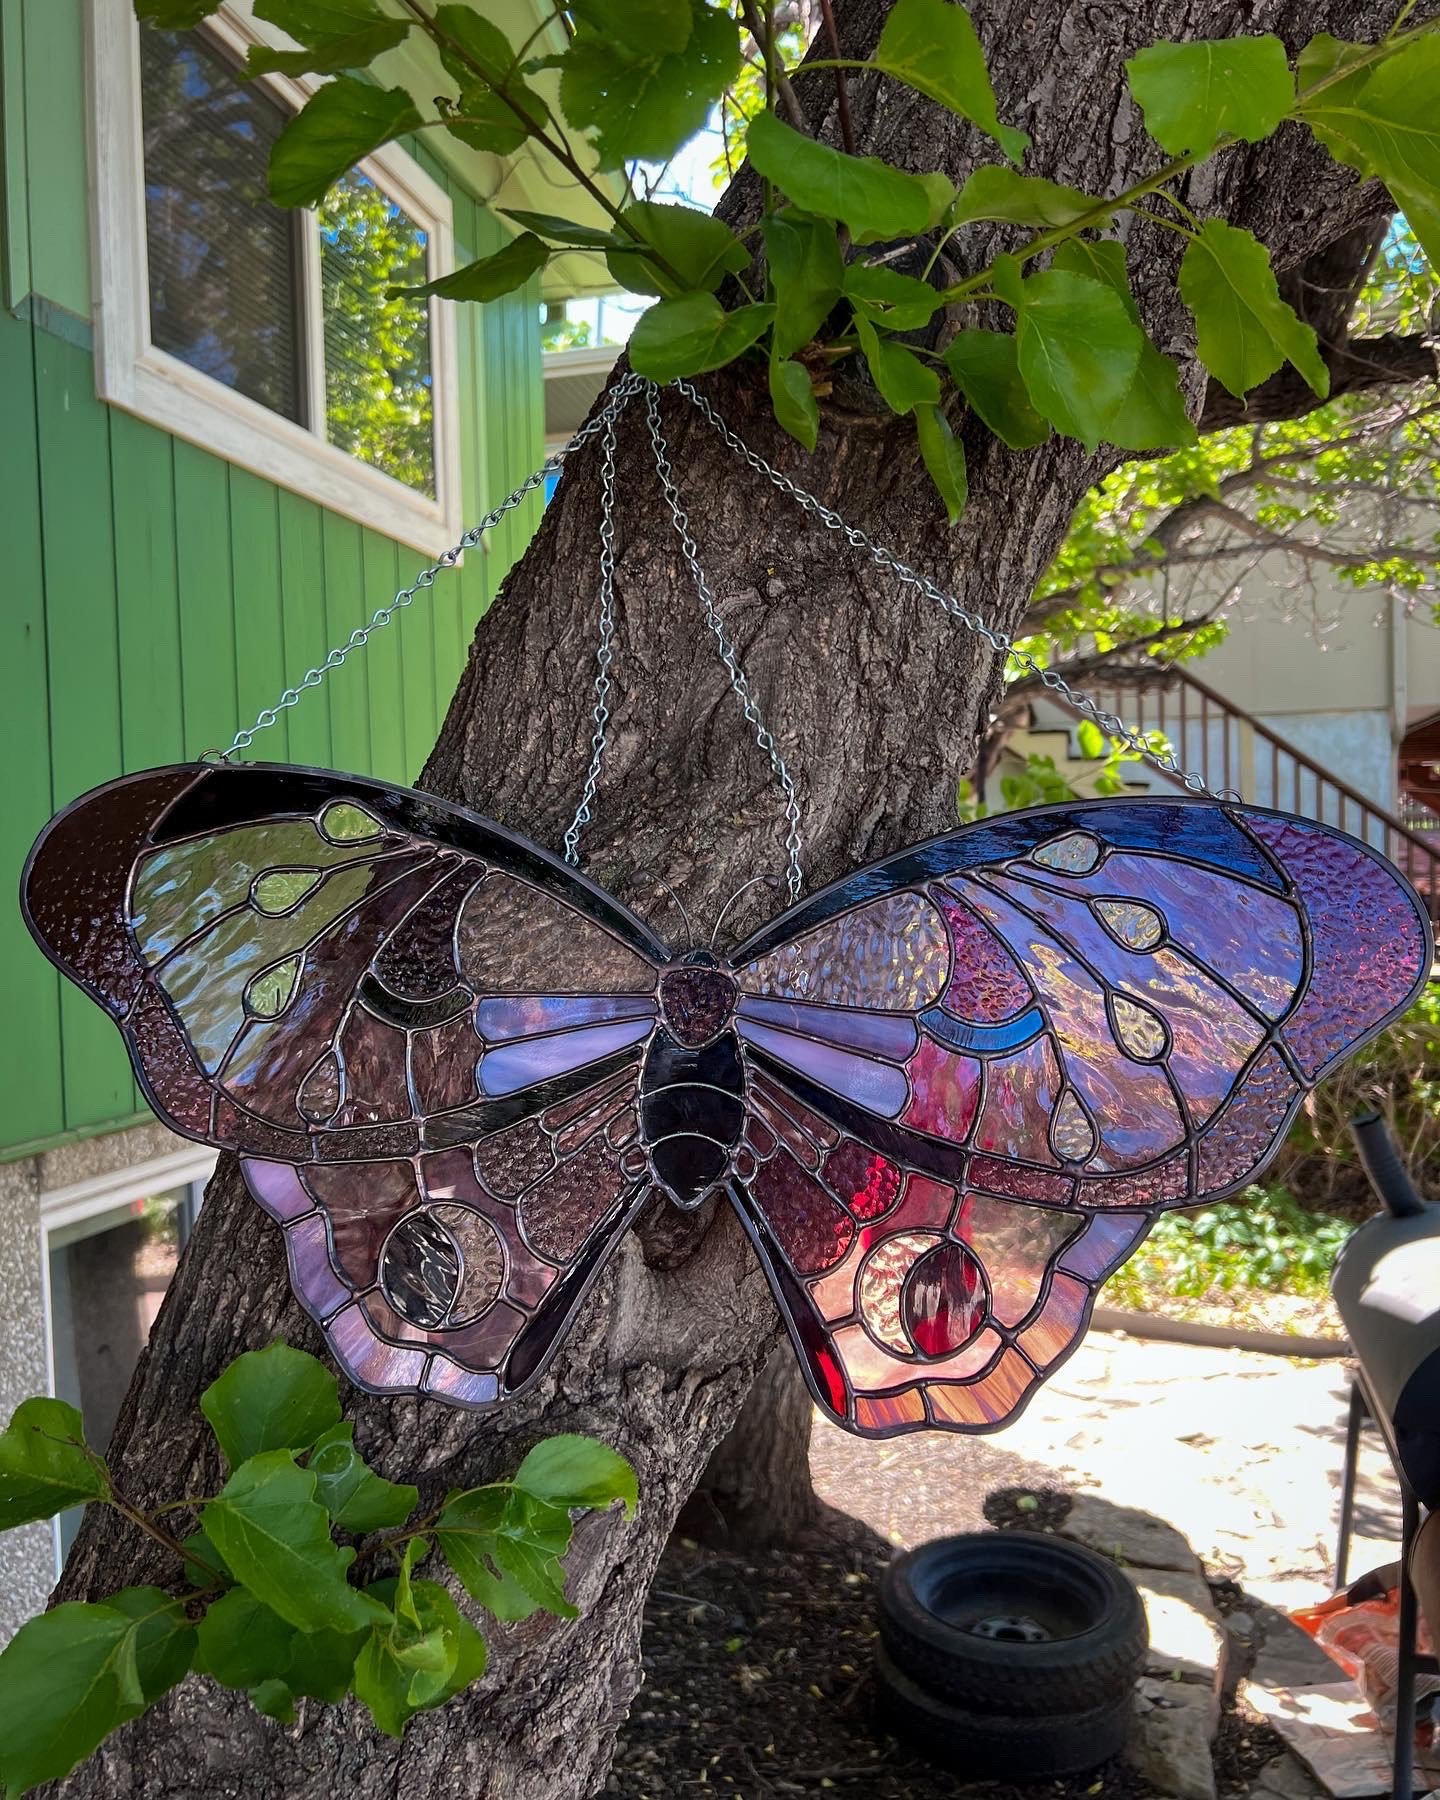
692 1088
692 1113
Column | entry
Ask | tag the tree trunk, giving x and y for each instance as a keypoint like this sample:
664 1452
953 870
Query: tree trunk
874 697
756 1490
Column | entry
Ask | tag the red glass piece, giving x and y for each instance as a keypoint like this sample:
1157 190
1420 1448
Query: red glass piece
944 1300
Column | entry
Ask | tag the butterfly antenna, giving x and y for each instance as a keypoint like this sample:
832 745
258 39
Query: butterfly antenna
680 908
755 881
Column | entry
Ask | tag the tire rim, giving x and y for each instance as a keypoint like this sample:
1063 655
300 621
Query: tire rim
1010 1628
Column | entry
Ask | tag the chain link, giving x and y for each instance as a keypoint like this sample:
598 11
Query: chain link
1110 723
604 649
738 682
624 393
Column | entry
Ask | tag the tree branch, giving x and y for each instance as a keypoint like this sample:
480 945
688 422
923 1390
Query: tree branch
1356 366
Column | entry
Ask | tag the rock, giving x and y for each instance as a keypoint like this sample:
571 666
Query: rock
1241 1623
1136 1539
1169 1743
1286 1778
1186 1636
1288 1657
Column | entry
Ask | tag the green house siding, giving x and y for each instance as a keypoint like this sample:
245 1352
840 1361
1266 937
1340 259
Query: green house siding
155 597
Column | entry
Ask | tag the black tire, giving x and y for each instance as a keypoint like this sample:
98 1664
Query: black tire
1079 1636
985 1746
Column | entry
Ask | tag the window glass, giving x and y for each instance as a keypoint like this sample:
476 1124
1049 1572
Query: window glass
108 1275
379 400
224 263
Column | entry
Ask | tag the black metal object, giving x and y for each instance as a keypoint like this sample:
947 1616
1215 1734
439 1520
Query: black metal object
1393 1320
1410 1661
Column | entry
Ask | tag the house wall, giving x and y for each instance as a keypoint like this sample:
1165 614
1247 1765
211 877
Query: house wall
156 597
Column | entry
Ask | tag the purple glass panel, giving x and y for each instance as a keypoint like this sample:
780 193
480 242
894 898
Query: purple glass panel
363 1200
945 1087
1020 1095
1167 1181
513 1067
1238 1141
463 1387
893 1036
418 960
311 1274
1368 941
1022 1184
531 1015
375 1060
365 1356
811 1229
1107 1241
1211 1035
443 1060
986 983
876 1086
164 1055
1131 1103
510 1160
1249 937
278 1188
560 1212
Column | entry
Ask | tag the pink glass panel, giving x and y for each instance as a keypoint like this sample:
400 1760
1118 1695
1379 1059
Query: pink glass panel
1016 1244
1059 1322
278 1188
311 1274
1020 1095
466 1387
986 983
945 1087
367 1358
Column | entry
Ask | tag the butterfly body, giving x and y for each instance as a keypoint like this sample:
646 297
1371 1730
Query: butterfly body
946 1097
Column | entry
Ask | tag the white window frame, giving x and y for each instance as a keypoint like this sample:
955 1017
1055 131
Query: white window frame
191 1167
131 372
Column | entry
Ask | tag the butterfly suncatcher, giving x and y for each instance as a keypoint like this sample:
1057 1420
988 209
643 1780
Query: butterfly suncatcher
947 1096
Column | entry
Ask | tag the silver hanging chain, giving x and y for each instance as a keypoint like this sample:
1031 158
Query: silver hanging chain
738 682
604 649
1110 723
624 393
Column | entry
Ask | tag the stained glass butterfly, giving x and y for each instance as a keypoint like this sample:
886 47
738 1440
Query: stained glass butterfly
947 1096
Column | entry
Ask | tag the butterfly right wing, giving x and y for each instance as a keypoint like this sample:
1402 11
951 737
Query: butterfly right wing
423 1035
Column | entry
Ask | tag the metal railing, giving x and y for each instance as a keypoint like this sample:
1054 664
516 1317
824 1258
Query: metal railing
1232 750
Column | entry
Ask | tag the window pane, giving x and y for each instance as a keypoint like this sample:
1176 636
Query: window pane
379 403
108 1275
224 263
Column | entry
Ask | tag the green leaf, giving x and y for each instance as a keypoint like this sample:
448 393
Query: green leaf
410 1666
43 1467
1383 120
199 1545
931 46
470 1530
995 192
489 277
701 249
944 457
793 398
176 15
1152 414
340 123
322 1663
895 301
536 1571
576 1471
643 27
904 382
275 1699
646 104
806 273
563 231
275 1538
1090 739
1193 94
984 367
164 1638
865 194
355 1497
336 35
693 334
477 48
1076 345
484 121
67 1679
1244 330
242 1642
272 1399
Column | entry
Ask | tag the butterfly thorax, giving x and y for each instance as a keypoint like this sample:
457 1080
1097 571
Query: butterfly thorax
697 1000
692 1088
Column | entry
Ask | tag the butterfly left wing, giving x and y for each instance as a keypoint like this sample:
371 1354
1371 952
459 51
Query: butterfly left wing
422 1034
1033 1035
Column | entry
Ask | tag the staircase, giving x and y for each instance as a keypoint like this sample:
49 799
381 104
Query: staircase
1232 751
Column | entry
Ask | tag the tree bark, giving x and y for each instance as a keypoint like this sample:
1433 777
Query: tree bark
756 1490
874 699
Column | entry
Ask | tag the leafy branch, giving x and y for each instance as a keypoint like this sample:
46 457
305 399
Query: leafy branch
300 1569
